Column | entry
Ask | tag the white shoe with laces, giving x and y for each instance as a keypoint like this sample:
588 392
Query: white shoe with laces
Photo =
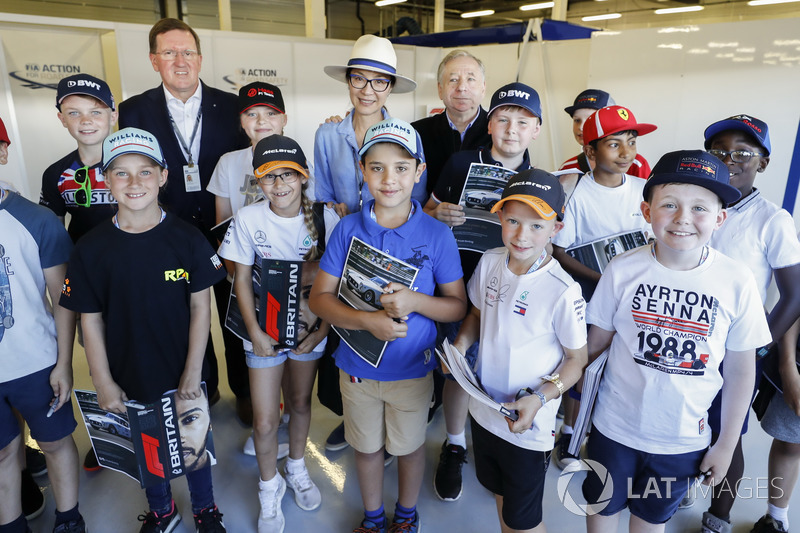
270 519
306 493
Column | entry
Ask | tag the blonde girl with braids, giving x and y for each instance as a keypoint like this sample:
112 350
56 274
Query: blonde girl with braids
283 227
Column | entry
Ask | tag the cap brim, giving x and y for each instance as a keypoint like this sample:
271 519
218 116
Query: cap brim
384 139
401 83
537 204
727 193
266 168
265 105
162 164
82 93
727 125
531 111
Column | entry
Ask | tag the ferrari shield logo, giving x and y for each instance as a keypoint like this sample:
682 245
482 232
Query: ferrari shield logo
623 113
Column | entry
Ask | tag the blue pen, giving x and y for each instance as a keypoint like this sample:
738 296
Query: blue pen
53 407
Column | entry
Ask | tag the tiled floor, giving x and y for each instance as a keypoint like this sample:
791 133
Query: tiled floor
110 502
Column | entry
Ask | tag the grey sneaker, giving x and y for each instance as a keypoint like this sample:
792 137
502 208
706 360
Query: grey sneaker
270 519
249 448
306 493
714 524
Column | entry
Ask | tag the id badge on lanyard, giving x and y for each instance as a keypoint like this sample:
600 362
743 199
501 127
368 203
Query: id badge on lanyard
191 171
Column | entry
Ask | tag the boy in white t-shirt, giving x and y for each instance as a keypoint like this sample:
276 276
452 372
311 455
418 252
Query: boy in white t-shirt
668 314
604 202
762 236
521 288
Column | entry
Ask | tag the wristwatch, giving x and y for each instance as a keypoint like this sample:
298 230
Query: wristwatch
555 379
527 391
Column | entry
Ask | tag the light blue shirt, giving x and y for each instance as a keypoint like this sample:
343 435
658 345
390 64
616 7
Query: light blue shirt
337 172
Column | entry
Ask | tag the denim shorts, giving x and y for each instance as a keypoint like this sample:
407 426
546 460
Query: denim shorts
255 361
31 396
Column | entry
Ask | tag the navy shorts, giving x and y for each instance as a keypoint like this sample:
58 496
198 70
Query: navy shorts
31 396
651 485
512 472
715 411
450 330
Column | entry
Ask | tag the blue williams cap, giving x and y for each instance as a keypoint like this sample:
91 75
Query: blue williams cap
392 130
132 141
752 126
694 167
590 99
517 94
86 85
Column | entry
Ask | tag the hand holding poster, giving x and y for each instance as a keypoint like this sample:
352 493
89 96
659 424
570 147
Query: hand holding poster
151 443
367 271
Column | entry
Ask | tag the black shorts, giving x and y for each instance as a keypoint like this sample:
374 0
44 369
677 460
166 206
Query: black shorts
512 472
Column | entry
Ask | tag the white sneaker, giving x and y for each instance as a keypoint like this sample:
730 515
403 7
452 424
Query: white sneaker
270 519
250 448
306 493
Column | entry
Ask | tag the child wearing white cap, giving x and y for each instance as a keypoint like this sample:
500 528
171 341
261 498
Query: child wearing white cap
141 282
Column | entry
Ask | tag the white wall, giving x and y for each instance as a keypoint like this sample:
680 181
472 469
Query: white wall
676 78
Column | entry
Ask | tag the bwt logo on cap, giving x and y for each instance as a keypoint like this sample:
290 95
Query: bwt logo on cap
515 92
83 83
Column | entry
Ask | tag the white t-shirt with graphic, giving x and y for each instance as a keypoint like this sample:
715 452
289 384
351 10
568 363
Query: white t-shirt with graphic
525 321
257 230
761 235
672 329
233 179
595 212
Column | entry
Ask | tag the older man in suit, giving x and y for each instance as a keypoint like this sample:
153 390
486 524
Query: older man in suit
194 124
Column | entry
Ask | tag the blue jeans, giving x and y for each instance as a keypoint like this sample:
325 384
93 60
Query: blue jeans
201 492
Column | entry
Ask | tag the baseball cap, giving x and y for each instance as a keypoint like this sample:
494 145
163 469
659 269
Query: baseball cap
86 85
278 151
610 120
132 141
517 94
3 133
590 99
694 167
392 130
752 126
539 189
260 93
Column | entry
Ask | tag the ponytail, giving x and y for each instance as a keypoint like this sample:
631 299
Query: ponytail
313 253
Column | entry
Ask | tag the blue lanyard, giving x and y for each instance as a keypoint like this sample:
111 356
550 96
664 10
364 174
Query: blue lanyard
187 150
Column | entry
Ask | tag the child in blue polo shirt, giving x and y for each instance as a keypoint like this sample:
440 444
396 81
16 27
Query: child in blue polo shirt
388 405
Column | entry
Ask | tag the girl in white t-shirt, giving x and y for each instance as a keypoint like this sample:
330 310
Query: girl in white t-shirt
284 228
261 113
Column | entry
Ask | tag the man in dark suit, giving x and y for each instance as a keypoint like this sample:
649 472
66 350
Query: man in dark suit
464 124
194 124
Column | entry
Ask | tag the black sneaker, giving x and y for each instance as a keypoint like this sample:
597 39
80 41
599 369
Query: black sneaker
73 526
32 498
155 523
90 463
447 482
561 453
35 462
336 439
209 521
767 524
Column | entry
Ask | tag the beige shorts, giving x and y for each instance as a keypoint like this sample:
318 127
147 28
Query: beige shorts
390 413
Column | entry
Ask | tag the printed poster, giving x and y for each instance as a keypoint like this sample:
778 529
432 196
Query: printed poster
482 189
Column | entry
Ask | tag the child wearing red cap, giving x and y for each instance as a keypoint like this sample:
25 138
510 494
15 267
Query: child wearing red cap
605 202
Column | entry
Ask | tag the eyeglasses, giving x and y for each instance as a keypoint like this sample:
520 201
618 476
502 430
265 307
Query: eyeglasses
378 84
83 196
737 156
172 55
287 177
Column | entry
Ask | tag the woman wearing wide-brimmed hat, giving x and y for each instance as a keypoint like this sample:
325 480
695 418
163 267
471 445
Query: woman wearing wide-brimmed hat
371 75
